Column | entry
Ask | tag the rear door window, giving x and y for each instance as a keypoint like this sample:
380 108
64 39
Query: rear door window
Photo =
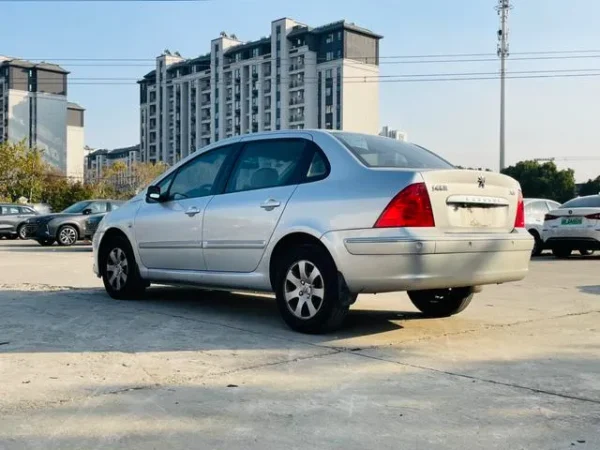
378 151
268 163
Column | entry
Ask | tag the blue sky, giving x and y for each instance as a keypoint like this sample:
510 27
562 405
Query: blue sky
459 120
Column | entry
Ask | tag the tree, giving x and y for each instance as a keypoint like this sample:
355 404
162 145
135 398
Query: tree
590 187
145 173
21 171
543 180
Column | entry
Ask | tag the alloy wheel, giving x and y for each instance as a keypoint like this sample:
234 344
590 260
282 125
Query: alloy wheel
67 236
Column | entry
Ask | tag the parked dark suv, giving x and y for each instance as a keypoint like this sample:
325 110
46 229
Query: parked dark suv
12 219
68 226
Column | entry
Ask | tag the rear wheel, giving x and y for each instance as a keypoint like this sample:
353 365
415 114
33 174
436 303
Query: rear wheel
22 232
308 293
561 252
12 237
538 244
441 302
119 270
67 235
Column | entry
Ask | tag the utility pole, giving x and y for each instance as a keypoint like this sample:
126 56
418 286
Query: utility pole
503 7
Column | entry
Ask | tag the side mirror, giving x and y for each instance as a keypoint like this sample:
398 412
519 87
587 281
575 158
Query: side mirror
153 193
87 211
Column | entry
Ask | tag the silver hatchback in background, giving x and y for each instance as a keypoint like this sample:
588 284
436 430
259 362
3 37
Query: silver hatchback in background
318 217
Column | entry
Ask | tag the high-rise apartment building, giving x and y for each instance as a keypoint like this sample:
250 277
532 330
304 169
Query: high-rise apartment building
394 134
34 108
97 161
298 77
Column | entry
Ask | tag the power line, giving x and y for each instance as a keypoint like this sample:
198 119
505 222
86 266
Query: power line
138 62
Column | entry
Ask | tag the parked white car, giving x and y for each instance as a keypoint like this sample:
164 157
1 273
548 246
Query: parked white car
535 211
575 225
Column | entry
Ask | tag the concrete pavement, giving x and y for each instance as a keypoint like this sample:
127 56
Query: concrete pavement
187 368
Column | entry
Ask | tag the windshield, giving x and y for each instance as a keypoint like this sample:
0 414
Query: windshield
378 151
76 208
592 201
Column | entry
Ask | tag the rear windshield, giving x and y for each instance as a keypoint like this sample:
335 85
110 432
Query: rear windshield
378 151
591 201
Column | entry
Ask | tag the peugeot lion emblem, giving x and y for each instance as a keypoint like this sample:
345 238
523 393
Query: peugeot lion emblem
481 181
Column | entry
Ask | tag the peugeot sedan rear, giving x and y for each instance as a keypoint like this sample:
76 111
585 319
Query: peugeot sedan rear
575 225
318 217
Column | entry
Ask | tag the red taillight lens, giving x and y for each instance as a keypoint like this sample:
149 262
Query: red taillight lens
593 216
550 217
520 217
410 208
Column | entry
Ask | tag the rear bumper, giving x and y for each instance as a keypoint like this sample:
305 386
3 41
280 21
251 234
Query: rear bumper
584 238
379 261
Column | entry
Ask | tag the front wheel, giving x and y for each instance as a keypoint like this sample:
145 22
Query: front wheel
119 270
586 252
308 293
441 302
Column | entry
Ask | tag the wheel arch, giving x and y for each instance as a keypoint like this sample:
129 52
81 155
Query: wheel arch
287 242
109 234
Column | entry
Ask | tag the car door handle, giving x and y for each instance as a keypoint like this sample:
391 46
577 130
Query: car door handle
192 211
270 204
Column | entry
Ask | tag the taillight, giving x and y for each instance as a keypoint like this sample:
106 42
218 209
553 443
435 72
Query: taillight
550 217
593 216
520 217
409 208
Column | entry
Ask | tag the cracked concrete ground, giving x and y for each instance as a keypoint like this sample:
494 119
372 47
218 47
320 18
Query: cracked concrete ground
185 368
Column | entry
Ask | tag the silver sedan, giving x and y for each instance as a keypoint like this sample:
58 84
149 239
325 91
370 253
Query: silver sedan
318 217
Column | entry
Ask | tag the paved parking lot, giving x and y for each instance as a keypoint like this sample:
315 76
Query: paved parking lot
185 368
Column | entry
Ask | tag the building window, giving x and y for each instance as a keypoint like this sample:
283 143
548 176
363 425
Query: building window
328 74
329 39
278 29
329 109
338 54
255 52
339 35
216 48
329 56
328 91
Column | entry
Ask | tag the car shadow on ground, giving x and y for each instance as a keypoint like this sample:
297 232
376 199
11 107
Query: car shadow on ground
166 319
590 289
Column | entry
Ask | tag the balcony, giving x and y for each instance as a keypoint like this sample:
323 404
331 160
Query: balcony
297 118
255 91
238 96
296 67
295 84
229 98
296 100
255 76
267 90
205 88
254 108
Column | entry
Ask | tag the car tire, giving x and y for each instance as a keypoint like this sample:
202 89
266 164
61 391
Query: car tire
308 291
561 252
123 282
538 245
586 252
22 232
67 235
441 302
45 242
